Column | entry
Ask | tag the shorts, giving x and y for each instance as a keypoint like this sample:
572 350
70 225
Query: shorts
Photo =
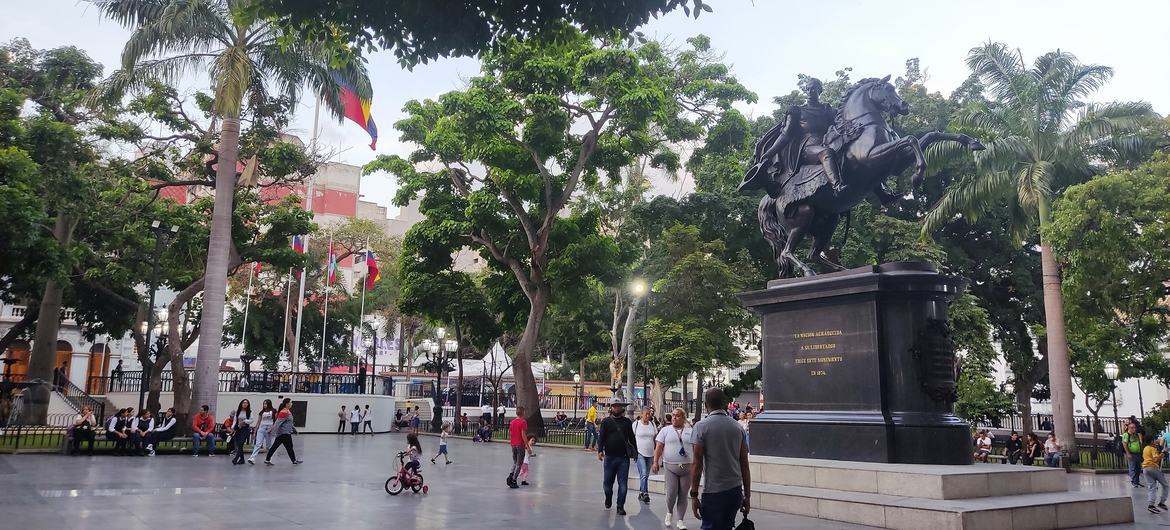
443 449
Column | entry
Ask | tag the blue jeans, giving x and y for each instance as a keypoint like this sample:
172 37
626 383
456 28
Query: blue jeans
590 435
210 439
616 468
718 509
1134 464
644 464
1052 459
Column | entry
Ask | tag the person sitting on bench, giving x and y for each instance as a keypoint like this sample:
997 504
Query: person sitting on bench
83 427
165 430
116 431
138 429
203 428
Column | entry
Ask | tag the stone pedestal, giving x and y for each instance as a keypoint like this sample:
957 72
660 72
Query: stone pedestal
858 365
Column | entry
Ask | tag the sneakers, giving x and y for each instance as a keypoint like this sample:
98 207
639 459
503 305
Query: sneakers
523 482
621 510
1162 505
608 502
1152 509
196 455
644 497
448 462
268 463
250 461
513 485
668 520
298 462
681 526
432 461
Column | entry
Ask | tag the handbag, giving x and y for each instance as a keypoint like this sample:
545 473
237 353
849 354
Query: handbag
746 524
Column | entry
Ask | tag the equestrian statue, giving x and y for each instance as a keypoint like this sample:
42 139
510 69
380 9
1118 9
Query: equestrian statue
819 162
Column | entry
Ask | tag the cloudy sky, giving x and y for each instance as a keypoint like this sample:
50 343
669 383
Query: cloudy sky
767 42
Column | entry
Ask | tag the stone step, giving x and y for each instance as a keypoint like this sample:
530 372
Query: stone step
908 480
1068 509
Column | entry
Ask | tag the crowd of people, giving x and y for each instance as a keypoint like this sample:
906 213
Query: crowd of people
140 434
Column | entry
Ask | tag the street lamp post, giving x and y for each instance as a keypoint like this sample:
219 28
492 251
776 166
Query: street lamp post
160 233
638 287
437 409
368 343
1111 372
576 396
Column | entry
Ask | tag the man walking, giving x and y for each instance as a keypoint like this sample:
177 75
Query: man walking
615 448
591 425
116 376
721 452
341 420
518 433
1131 440
367 421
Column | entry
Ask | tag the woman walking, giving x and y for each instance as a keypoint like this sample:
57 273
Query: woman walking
1152 468
241 431
267 417
283 429
673 450
644 433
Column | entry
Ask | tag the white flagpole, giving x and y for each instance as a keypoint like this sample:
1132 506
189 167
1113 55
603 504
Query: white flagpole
247 305
287 303
325 324
293 356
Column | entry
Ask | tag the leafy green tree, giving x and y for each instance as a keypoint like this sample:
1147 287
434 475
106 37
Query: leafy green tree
695 320
546 115
1041 137
1110 234
424 31
245 58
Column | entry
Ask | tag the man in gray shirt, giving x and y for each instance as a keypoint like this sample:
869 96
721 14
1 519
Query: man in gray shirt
720 451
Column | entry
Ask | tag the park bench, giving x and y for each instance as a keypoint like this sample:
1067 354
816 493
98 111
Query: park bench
177 445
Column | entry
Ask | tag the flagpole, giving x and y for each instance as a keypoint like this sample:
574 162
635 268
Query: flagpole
287 303
362 318
325 324
293 356
247 305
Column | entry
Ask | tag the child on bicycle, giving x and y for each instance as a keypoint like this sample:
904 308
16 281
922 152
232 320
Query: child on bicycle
413 452
443 443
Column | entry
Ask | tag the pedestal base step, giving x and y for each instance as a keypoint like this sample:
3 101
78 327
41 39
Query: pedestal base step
908 480
1070 509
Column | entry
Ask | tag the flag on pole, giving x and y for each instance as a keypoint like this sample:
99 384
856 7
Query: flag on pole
332 265
357 109
256 268
372 272
298 244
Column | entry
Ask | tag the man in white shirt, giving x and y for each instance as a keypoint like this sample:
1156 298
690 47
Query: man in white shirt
367 421
983 446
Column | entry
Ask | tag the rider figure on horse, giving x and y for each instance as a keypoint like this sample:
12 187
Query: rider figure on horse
799 141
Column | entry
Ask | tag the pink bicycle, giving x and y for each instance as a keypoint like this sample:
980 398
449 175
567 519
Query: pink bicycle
405 478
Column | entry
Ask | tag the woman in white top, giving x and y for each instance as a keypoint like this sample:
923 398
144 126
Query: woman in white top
263 438
644 433
673 450
355 419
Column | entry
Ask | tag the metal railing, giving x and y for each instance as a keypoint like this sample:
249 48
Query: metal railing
78 398
1044 422
255 381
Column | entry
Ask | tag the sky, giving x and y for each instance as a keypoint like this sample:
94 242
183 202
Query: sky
766 42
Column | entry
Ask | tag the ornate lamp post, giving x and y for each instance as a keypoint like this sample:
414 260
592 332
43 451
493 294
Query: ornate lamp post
368 343
1112 371
638 288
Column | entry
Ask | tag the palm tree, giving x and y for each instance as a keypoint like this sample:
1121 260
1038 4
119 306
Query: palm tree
244 58
1041 138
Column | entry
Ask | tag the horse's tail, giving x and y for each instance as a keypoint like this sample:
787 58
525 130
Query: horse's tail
848 219
770 224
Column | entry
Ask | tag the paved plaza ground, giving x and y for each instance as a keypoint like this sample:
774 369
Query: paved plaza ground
340 485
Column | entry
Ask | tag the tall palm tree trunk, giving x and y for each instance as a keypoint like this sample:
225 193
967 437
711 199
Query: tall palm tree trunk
1059 372
206 387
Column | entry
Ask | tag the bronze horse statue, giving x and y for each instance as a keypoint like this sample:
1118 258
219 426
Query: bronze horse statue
801 202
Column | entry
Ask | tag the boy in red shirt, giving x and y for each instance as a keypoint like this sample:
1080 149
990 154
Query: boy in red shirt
518 434
203 428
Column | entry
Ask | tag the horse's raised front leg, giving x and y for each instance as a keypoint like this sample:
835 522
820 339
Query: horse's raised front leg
891 150
939 136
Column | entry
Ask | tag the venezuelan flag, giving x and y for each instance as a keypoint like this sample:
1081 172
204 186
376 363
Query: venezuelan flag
357 110
373 274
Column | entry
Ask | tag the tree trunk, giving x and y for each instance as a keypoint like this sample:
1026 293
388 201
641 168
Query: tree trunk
658 398
219 245
43 357
698 397
181 385
526 392
626 353
1059 372
1024 403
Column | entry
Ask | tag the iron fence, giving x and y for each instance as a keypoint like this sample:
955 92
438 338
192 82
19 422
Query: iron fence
1044 422
258 381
